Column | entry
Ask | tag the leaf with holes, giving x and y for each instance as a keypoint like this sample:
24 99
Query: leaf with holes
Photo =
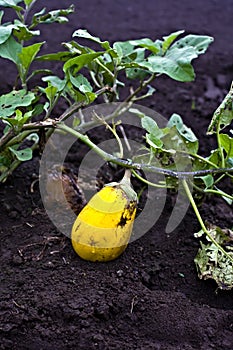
23 154
13 100
211 263
58 16
223 115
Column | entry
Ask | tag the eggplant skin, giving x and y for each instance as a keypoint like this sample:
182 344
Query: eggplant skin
103 228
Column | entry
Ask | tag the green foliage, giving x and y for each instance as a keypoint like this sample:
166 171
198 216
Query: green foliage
94 71
14 99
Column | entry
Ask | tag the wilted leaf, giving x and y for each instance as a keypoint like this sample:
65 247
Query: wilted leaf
223 115
212 263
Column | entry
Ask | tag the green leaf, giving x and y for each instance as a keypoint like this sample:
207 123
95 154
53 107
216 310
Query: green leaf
153 137
168 40
33 137
1 15
134 72
81 61
90 96
5 32
230 162
58 56
58 16
177 61
11 3
76 122
22 155
50 92
223 115
123 48
215 157
22 32
187 133
81 83
175 64
154 141
55 81
227 143
147 44
38 71
83 33
28 2
199 43
27 55
11 101
151 127
208 180
19 119
10 49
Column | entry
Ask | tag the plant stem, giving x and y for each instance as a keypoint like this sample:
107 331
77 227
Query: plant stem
220 146
114 132
140 87
190 197
104 67
149 182
218 192
138 166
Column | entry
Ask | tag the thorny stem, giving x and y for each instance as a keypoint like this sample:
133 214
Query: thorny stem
190 197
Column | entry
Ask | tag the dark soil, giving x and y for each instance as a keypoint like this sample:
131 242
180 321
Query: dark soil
150 297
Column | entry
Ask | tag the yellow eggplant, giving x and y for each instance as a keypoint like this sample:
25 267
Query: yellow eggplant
103 228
